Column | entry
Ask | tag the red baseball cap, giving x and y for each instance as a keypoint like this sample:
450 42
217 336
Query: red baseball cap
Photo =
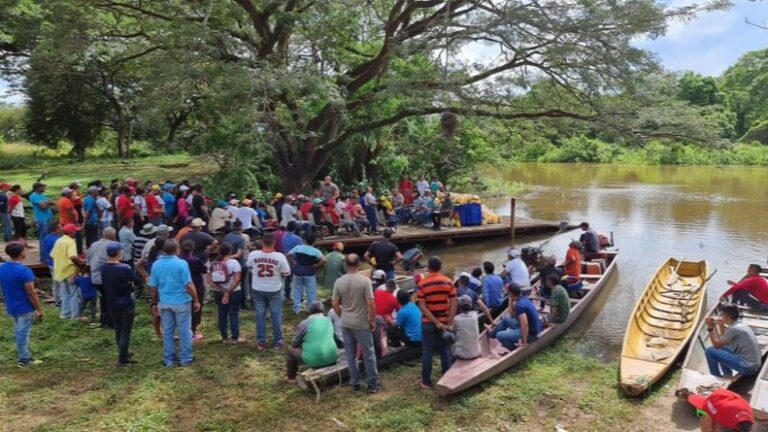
725 408
70 228
5 185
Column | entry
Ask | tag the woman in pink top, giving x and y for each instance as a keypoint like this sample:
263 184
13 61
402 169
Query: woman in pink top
182 210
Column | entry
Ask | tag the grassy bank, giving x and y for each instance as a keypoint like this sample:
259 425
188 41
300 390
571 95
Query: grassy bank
238 388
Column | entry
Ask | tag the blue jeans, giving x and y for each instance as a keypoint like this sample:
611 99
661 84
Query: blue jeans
302 285
373 218
70 299
23 326
508 333
363 337
55 288
350 226
177 317
7 226
229 314
263 300
404 214
725 359
43 229
432 340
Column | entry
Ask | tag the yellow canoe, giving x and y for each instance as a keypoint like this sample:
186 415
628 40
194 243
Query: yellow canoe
662 323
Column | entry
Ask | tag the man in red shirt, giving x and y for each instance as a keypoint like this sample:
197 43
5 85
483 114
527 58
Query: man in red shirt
751 291
721 410
437 300
124 204
155 209
67 212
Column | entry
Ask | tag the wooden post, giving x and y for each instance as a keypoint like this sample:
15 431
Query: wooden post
512 204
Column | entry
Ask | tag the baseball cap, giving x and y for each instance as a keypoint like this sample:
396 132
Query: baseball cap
301 197
514 253
726 408
233 202
465 301
247 202
66 191
155 187
5 185
168 186
70 228
317 201
113 248
93 188
197 222
379 274
278 195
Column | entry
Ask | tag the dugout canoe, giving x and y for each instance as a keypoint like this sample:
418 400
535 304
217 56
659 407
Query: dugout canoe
695 377
662 323
495 359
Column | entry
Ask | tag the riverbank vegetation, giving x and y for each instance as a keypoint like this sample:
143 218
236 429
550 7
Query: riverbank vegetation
279 93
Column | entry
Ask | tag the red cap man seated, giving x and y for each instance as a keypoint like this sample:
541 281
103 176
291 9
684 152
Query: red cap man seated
723 410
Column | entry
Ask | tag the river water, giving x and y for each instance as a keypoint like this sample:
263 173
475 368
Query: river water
713 213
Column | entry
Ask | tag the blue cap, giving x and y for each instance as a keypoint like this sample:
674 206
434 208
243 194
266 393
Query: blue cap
113 248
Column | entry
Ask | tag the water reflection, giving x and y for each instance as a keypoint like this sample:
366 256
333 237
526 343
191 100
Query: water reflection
713 213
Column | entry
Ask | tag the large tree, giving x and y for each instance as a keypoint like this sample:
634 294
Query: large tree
322 72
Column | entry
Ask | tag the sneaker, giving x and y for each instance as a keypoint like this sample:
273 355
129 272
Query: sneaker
30 362
423 386
278 345
374 390
239 340
356 389
261 346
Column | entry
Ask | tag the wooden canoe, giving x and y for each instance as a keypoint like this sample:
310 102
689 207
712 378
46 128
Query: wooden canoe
695 377
662 323
495 359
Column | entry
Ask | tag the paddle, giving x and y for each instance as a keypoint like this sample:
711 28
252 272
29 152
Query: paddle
674 277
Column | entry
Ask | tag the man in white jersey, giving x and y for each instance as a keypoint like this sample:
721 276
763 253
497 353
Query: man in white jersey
268 268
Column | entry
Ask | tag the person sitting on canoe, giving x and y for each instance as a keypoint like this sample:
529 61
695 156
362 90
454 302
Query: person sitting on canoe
462 285
522 326
723 410
560 305
467 344
516 271
589 240
736 348
752 291
493 290
407 328
313 344
572 270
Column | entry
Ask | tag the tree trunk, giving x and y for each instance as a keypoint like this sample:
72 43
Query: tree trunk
124 129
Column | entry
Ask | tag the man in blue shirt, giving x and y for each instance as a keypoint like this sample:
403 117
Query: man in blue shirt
169 202
407 328
41 207
91 216
523 326
21 301
493 290
46 246
307 260
290 240
173 298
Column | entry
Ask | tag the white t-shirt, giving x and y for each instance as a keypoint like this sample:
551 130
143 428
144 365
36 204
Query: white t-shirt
233 266
289 214
246 216
267 270
467 344
518 272
105 207
142 203
422 186
370 199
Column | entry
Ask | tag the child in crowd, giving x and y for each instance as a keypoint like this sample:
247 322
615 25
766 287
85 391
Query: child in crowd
88 295
224 279
467 345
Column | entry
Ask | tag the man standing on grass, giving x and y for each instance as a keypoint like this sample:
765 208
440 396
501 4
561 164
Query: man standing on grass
97 257
307 260
92 216
42 211
437 300
21 301
66 263
174 298
119 282
268 268
353 302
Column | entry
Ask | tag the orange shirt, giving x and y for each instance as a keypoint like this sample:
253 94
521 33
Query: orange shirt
436 291
66 209
573 262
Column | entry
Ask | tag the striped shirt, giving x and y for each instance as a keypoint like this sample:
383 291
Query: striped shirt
435 291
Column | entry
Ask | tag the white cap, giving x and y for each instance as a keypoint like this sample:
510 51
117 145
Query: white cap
513 253
379 274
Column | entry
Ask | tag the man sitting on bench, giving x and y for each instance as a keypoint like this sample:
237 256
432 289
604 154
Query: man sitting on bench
752 291
314 343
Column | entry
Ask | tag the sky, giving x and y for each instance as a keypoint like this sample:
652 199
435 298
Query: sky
707 45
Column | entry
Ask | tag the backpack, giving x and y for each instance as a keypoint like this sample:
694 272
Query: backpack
219 272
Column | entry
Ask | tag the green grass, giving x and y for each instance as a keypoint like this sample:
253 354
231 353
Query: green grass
78 387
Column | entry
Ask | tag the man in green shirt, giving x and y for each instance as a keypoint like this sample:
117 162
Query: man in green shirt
560 305
335 267
314 343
